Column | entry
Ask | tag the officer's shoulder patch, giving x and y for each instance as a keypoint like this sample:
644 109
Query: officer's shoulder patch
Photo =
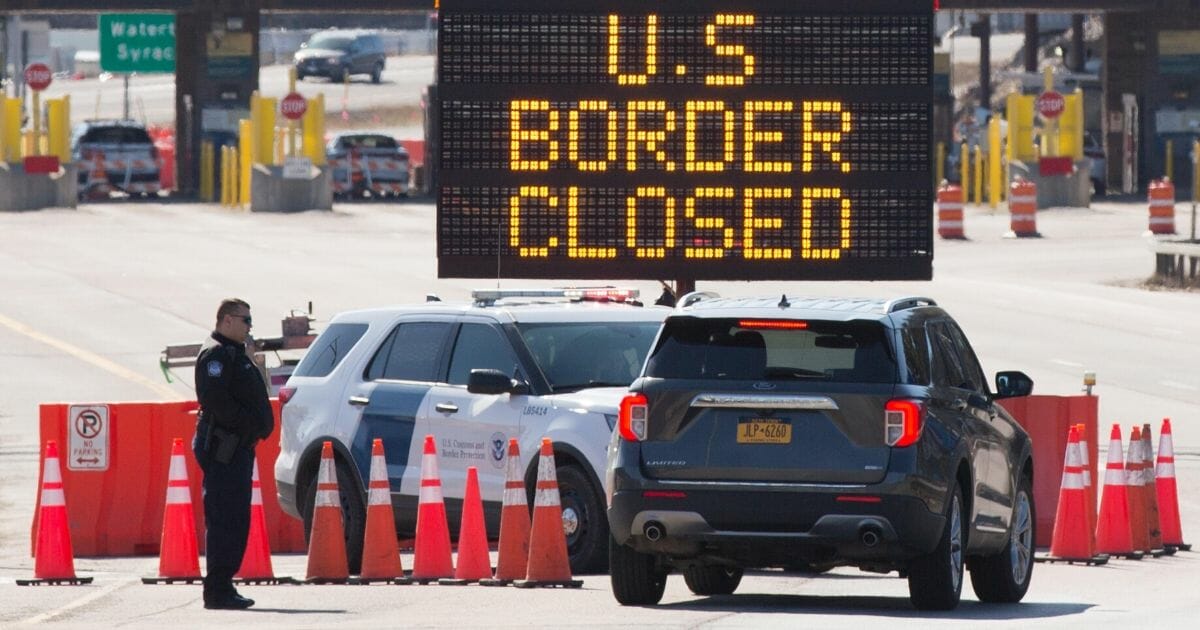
214 368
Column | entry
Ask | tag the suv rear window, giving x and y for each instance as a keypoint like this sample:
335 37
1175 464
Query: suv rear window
733 349
329 349
116 135
368 142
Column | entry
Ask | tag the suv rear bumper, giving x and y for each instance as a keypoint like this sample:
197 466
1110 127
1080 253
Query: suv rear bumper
759 525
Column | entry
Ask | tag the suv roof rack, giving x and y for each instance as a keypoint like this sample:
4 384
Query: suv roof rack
689 299
488 297
904 303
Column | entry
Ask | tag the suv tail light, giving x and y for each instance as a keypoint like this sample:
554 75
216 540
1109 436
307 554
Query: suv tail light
632 420
285 394
902 420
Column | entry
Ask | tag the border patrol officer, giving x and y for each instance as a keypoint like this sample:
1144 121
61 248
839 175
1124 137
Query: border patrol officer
235 413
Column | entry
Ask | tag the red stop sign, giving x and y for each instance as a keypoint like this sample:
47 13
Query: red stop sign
293 106
1050 104
37 76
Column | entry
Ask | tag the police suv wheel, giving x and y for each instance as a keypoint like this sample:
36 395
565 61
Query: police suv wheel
354 514
585 523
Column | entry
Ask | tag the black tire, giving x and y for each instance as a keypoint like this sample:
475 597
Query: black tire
354 513
300 76
637 580
935 580
584 521
1004 577
377 73
703 580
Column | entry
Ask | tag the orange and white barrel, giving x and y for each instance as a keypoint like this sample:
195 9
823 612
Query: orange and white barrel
1022 208
1162 206
950 211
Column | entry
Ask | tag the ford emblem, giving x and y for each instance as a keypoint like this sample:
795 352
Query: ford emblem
764 385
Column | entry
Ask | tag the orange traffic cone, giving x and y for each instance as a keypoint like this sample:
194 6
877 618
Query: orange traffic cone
327 562
513 560
1089 499
54 561
1153 527
474 563
1139 531
431 553
1070 539
1168 494
1112 527
548 561
381 551
178 560
256 563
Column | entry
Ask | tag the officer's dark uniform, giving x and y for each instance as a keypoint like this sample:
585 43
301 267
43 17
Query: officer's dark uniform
232 396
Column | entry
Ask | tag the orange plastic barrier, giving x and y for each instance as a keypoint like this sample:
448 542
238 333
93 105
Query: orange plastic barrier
1162 206
118 510
950 212
1022 206
1048 420
416 151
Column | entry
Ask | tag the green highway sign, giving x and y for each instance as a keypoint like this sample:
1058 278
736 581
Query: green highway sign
137 42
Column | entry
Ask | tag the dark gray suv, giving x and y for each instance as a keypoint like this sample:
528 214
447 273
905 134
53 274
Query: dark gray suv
805 434
338 55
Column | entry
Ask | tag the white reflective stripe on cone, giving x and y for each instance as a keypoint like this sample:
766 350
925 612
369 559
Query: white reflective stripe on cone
1162 220
950 205
515 495
328 498
256 496
546 497
53 496
51 473
1022 199
1159 203
178 495
431 493
950 224
325 475
379 496
429 467
378 468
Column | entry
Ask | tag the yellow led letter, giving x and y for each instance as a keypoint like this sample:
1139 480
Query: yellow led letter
610 153
752 223
514 221
631 210
809 198
573 248
729 50
614 46
754 137
518 135
694 110
826 139
708 223
652 140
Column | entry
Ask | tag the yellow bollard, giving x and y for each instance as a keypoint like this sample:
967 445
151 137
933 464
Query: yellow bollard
314 130
235 179
58 131
939 164
245 158
14 142
206 174
995 163
1169 163
264 131
977 176
224 176
281 138
964 170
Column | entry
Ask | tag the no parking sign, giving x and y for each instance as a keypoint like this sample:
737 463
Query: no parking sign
88 437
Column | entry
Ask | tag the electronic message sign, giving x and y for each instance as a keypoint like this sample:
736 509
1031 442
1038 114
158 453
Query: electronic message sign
700 139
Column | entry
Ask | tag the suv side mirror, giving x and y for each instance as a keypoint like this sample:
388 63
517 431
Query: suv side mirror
1012 384
494 382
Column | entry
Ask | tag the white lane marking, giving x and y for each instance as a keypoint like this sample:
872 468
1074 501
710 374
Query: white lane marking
88 357
1066 363
82 601
1178 385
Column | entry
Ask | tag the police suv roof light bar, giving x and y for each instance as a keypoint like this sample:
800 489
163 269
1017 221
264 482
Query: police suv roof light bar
487 297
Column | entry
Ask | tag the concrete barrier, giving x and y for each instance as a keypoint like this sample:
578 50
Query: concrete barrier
271 192
21 191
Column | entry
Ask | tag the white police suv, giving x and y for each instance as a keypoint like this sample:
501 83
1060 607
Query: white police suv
514 364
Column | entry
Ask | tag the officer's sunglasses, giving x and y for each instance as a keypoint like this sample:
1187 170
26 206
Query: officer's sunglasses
245 318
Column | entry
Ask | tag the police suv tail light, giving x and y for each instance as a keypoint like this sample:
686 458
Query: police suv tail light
632 419
902 420
285 394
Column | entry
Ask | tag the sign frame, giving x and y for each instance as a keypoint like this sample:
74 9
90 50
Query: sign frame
835 202
138 42
89 438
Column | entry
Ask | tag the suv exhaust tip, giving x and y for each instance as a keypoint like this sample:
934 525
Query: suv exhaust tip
654 531
869 534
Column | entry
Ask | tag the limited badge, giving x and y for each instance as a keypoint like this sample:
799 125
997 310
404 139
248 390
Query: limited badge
214 368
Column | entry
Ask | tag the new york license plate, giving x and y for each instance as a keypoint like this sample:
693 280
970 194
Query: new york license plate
764 431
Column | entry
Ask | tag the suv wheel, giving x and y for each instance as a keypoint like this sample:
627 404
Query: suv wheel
1004 577
584 521
703 580
637 580
935 580
377 73
354 515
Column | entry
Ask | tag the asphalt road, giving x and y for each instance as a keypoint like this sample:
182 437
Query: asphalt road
92 295
152 96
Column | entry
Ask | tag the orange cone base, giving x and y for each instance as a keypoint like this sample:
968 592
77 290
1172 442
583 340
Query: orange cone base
548 583
1096 560
1181 546
172 580
274 579
398 581
72 581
